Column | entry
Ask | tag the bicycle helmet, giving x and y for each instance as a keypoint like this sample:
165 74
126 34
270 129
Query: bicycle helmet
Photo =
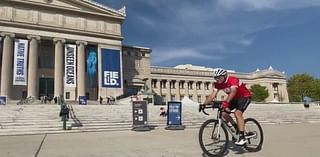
219 72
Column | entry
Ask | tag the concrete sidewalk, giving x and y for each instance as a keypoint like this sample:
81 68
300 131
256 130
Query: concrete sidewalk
285 140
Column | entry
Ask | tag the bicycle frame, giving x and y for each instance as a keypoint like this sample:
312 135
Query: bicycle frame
222 122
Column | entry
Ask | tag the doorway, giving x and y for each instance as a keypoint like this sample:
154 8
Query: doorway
46 87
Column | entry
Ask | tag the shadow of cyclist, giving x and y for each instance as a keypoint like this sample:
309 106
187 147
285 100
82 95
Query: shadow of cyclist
231 147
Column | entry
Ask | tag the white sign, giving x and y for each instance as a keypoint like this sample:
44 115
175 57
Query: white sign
111 77
70 65
20 62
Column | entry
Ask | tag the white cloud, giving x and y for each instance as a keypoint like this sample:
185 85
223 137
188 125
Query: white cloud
233 5
164 55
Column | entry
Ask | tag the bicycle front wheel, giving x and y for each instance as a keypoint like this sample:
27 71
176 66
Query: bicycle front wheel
254 135
212 138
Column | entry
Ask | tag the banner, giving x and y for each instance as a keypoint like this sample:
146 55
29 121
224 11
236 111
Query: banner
111 72
91 66
0 55
20 62
70 65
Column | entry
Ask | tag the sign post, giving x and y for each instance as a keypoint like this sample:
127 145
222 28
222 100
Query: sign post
140 116
174 117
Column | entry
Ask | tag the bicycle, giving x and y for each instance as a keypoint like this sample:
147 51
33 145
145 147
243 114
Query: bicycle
214 137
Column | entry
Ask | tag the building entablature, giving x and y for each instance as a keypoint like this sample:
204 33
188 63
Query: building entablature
71 17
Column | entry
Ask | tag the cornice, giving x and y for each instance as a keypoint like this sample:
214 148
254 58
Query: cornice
43 6
60 30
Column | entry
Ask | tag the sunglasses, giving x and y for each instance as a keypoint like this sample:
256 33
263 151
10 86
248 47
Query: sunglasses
217 77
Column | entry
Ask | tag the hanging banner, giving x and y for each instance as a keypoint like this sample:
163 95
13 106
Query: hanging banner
111 72
20 62
91 66
0 55
70 65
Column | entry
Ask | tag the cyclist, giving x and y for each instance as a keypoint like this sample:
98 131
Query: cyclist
239 97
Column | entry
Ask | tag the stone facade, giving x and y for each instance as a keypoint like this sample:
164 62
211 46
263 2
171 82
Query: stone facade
49 25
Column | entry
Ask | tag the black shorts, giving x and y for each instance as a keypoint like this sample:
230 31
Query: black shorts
240 104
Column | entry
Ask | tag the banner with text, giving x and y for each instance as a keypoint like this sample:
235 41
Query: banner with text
70 65
20 61
0 55
111 72
91 66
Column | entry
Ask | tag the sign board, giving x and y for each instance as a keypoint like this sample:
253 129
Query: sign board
174 117
82 100
3 100
111 68
139 115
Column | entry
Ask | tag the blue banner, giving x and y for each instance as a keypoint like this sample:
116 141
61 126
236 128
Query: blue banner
91 66
3 100
174 113
111 72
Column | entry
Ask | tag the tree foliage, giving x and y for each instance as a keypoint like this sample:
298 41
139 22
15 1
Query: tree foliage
301 85
259 93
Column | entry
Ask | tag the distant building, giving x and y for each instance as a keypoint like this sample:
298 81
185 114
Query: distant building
195 82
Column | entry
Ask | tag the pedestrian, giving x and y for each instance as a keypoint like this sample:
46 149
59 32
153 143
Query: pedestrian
101 99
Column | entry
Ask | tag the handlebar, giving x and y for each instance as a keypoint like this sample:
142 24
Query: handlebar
213 105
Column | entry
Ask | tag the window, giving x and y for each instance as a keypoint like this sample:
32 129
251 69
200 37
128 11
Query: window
198 85
67 95
163 84
190 97
181 85
275 86
190 85
172 84
206 85
154 83
199 99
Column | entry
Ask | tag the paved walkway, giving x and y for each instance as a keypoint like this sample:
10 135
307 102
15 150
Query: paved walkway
285 140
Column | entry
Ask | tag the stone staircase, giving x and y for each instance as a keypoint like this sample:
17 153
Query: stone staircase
43 118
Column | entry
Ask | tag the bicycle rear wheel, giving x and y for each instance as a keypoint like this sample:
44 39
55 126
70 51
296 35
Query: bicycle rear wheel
254 135
211 142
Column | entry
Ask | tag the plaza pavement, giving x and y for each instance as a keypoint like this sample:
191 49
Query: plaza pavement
281 140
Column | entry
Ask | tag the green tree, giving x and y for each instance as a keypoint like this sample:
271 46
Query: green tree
259 93
301 85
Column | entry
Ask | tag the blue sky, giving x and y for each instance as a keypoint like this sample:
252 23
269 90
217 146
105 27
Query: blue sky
240 35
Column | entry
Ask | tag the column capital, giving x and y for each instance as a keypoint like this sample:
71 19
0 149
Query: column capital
55 40
82 43
37 37
3 34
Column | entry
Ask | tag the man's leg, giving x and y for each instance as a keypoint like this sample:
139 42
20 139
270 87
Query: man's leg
240 120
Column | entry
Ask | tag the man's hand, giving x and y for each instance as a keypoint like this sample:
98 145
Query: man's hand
225 106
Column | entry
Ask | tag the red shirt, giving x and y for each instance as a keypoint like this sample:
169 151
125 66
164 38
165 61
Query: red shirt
231 81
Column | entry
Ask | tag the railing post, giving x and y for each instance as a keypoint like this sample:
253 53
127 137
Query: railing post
64 116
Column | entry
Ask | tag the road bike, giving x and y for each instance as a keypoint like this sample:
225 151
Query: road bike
214 137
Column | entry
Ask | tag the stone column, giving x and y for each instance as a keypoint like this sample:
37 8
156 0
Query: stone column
58 66
6 69
81 62
33 65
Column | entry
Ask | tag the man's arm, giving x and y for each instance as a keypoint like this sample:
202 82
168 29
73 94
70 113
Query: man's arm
232 94
211 96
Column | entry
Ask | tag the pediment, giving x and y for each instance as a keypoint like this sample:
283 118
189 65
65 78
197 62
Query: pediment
271 75
79 5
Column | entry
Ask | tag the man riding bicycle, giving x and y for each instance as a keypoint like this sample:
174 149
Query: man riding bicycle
239 97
